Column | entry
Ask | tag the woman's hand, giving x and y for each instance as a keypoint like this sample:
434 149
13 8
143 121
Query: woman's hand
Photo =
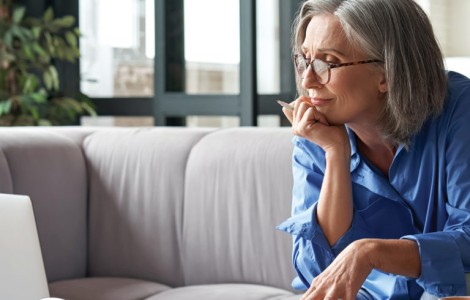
346 274
344 277
309 123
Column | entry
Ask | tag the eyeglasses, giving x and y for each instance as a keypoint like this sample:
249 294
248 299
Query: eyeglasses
321 69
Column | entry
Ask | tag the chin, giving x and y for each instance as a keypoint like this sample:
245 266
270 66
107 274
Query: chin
332 119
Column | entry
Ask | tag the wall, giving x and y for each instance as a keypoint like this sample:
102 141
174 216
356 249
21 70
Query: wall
458 34
450 20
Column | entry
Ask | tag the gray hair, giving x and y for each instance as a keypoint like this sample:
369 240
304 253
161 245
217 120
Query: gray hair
399 33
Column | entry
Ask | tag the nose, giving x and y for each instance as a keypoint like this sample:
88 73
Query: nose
310 80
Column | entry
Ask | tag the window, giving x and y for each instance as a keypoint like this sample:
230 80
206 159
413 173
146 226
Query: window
179 60
212 46
117 47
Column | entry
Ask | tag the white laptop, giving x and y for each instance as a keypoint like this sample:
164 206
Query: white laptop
22 274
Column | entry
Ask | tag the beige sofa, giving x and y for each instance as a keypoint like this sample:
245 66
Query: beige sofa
157 213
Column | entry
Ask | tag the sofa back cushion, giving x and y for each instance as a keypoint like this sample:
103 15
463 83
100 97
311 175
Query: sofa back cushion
50 169
238 188
136 181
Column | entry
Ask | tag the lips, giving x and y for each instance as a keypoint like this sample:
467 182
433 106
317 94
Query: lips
318 101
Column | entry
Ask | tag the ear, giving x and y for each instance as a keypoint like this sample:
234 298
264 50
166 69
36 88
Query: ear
383 84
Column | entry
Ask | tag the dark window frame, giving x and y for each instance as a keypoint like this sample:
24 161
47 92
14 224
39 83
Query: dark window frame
248 104
170 108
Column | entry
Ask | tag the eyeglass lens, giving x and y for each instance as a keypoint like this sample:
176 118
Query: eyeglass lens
320 68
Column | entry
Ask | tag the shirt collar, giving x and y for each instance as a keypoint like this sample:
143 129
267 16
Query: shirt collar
355 159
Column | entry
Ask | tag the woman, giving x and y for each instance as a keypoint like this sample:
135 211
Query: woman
381 197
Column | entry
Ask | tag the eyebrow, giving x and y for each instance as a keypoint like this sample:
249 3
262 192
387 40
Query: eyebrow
326 50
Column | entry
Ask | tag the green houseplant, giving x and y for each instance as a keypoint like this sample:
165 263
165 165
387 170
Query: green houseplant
29 81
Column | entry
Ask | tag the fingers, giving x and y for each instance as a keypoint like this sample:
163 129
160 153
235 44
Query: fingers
288 113
287 108
305 119
312 294
322 288
306 111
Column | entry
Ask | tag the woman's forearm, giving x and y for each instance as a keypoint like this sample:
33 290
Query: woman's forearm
400 257
335 205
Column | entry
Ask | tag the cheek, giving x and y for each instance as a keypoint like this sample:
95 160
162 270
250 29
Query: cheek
354 98
357 86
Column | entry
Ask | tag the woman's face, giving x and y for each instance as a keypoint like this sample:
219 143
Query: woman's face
354 94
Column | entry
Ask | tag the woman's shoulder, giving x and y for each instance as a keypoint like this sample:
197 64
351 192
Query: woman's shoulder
457 96
456 111
458 87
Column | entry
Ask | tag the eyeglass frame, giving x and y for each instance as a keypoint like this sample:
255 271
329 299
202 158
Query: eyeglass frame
329 65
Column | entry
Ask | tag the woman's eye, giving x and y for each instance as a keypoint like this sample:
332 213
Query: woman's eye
331 60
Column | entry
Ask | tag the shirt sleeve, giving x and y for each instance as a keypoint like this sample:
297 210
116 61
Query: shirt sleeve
445 255
311 250
442 272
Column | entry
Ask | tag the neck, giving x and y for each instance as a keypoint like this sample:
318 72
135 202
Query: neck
378 150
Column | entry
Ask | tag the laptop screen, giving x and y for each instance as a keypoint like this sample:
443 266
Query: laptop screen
22 274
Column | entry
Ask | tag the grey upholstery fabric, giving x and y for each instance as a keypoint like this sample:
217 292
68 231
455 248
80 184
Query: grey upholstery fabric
50 169
238 188
226 292
125 214
6 185
136 196
104 288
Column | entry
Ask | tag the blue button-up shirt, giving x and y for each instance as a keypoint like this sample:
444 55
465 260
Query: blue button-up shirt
426 198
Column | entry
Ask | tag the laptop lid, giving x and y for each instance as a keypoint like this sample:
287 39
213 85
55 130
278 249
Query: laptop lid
22 274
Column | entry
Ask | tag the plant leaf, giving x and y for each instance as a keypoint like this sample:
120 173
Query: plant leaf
28 51
77 31
47 80
48 15
18 14
9 39
5 107
44 122
39 50
28 85
54 77
36 30
89 109
39 97
64 22
71 39
49 45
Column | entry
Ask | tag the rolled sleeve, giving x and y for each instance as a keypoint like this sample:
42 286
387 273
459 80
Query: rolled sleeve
442 272
300 224
305 225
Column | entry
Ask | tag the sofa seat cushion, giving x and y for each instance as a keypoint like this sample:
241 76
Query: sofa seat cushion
105 288
226 292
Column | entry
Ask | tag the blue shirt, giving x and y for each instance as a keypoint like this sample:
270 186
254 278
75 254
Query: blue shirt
426 198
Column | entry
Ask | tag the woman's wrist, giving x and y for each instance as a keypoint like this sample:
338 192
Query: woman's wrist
400 257
339 154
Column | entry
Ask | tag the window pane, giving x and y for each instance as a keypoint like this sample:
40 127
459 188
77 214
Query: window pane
213 121
117 47
212 46
230 121
268 52
117 121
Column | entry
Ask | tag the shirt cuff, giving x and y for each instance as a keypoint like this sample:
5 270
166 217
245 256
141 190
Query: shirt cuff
442 272
299 224
305 225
